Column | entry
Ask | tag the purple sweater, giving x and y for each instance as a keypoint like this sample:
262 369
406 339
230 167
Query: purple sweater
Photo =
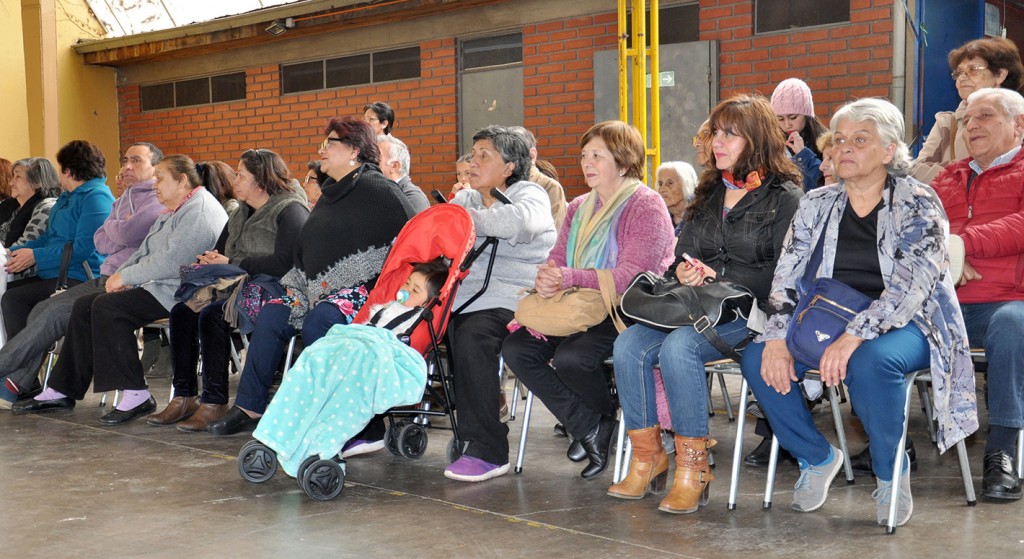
645 237
130 220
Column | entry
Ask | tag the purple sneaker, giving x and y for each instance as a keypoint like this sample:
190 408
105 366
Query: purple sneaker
355 447
470 468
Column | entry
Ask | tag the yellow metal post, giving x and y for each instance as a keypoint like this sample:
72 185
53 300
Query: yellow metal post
636 58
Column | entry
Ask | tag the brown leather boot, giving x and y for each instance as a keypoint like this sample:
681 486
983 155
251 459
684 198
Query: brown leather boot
693 476
181 407
206 414
648 469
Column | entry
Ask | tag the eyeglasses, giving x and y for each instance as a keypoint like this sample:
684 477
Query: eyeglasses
702 136
327 143
310 179
970 72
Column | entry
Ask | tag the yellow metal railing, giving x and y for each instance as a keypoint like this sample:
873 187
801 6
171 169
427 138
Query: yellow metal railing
633 71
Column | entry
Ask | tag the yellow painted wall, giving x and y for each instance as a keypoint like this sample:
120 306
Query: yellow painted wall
50 96
87 101
14 140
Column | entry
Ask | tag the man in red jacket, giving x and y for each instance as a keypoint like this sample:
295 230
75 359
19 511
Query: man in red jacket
984 198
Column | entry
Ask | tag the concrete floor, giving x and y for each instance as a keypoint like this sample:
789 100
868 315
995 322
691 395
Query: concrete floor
74 489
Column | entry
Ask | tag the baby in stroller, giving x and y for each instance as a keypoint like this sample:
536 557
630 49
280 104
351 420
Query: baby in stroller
338 384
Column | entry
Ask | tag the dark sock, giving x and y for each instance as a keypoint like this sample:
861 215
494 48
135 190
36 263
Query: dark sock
1001 438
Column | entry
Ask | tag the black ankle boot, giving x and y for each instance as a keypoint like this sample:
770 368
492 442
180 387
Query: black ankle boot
761 455
861 461
597 444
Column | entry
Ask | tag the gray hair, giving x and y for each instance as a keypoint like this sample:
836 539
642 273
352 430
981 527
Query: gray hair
1009 100
399 152
41 175
888 121
522 131
465 158
512 147
687 176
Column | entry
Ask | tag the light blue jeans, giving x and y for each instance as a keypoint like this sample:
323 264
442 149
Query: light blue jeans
682 354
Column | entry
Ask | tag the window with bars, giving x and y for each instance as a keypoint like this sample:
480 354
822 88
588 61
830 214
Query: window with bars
194 91
359 69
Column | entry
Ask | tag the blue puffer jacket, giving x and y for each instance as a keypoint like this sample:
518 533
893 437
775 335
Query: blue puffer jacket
75 217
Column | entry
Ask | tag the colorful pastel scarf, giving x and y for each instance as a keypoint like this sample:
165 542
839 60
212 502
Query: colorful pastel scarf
592 243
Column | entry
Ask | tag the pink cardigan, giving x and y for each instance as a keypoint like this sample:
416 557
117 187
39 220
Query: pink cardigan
645 236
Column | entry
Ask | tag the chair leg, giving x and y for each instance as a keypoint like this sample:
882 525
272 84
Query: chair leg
926 402
837 417
288 354
711 383
515 401
526 427
897 468
1020 453
769 486
725 396
965 473
624 450
737 448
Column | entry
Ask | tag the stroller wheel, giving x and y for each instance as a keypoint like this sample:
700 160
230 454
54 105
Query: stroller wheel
256 462
455 450
323 480
412 440
302 469
391 437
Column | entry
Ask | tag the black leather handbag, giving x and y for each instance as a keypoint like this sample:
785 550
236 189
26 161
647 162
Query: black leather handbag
665 304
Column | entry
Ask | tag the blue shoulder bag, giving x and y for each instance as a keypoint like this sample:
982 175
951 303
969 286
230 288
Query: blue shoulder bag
824 310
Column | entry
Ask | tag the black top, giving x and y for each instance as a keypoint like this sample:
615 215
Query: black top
744 245
856 262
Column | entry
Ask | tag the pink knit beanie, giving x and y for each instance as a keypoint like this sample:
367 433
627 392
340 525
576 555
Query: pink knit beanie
793 97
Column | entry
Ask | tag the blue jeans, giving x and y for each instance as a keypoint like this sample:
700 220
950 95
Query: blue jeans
267 346
999 328
682 354
874 378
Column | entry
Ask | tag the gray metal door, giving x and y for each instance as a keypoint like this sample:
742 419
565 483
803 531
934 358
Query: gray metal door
689 90
489 96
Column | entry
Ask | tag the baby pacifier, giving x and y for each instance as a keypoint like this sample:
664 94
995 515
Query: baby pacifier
402 296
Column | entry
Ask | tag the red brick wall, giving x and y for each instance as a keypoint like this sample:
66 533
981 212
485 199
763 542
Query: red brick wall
292 125
839 62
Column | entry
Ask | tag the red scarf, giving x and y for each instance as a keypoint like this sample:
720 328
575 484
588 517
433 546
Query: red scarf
752 182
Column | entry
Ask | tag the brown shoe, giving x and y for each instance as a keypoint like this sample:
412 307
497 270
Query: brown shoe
693 476
648 468
206 414
181 407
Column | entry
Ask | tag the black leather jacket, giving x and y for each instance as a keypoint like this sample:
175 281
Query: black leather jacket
745 246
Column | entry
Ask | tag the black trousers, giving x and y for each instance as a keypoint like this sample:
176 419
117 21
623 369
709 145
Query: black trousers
474 340
205 330
21 297
567 374
101 342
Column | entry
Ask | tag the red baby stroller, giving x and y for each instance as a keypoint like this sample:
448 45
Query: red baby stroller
442 230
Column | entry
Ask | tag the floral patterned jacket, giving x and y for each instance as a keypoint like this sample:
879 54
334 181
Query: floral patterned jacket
913 255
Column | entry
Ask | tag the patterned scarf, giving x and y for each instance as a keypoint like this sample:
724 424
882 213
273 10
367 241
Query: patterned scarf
753 180
592 242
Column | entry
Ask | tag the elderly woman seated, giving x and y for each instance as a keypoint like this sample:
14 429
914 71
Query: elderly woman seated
101 338
881 233
525 232
677 182
620 226
339 254
259 238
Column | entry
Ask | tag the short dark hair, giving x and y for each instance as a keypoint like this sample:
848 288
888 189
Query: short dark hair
356 134
383 112
155 154
82 159
436 273
270 171
313 166
512 148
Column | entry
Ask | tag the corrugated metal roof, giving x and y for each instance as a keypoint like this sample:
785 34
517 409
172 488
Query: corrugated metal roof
129 17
